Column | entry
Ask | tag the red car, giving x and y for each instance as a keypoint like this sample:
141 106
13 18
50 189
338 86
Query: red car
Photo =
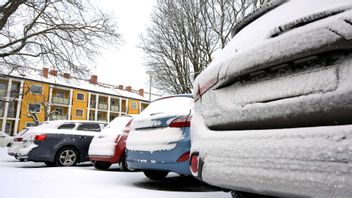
108 147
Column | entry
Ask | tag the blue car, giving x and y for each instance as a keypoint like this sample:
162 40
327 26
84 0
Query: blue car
159 138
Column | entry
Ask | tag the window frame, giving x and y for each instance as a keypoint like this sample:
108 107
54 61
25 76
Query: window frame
134 105
41 88
40 107
78 115
84 96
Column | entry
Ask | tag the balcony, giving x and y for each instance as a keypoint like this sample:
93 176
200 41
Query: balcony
114 108
103 106
58 100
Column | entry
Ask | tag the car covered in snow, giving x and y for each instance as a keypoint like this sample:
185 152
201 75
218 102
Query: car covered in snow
159 139
273 111
57 143
108 147
4 139
17 143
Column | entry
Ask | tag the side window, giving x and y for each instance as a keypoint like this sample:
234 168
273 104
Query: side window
66 126
36 89
89 127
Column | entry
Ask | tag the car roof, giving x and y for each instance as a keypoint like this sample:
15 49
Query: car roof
173 96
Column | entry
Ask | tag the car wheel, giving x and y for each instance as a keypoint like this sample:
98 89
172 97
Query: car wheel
123 164
239 194
50 164
66 157
155 175
101 165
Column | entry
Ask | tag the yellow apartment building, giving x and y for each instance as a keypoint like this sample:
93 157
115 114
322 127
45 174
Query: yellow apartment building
49 95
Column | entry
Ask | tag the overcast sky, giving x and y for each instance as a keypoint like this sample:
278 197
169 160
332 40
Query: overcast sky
124 64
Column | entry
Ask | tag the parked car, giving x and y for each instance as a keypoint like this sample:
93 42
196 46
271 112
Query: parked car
108 147
4 139
159 139
273 111
58 143
16 143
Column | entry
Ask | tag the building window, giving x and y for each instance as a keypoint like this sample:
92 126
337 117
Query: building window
133 105
30 124
80 96
79 112
36 89
34 108
3 87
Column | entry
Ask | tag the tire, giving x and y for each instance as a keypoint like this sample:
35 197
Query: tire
67 156
239 194
123 164
101 165
155 175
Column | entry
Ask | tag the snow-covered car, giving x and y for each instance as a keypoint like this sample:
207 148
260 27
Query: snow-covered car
4 139
108 147
58 143
16 143
159 138
273 111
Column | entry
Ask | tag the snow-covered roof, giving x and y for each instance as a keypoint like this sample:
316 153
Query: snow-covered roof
75 82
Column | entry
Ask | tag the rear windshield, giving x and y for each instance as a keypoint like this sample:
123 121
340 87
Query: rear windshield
172 105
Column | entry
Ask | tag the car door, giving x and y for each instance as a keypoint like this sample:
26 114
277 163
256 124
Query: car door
86 132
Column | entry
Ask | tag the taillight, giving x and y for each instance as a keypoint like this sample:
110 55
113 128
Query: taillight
117 139
127 128
40 137
200 90
180 122
194 164
17 139
183 157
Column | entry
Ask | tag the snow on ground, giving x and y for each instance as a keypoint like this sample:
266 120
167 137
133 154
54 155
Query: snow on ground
35 180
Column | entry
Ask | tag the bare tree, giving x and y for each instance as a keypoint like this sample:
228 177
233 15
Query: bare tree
184 35
62 34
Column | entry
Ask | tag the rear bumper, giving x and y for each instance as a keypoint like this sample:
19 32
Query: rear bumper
308 162
180 168
165 160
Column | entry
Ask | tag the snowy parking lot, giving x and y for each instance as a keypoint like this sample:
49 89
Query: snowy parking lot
30 179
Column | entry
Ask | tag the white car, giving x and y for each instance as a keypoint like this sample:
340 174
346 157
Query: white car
108 147
273 110
4 139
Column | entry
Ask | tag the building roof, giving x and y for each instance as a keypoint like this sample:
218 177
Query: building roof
67 80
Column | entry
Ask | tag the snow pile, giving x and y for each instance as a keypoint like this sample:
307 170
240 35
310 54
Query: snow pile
158 139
